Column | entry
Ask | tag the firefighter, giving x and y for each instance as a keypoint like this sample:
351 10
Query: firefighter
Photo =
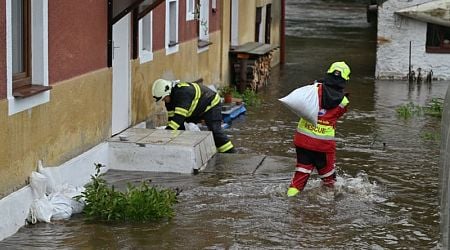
192 102
315 145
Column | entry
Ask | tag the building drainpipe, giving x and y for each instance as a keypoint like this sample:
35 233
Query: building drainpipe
283 33
109 35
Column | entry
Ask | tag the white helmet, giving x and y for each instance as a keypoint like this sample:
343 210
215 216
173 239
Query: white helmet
161 88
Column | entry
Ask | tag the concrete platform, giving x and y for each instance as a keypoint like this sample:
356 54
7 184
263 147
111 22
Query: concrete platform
159 150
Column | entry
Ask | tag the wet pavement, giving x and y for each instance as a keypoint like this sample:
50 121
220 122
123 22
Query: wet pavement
386 196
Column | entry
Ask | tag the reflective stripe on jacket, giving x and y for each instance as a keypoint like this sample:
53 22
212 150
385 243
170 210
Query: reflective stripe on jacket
325 129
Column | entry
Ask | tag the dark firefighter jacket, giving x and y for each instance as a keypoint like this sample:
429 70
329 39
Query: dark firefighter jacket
188 102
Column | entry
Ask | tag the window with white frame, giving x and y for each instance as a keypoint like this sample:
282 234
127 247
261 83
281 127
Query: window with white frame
146 38
20 23
203 25
214 5
171 26
190 10
27 34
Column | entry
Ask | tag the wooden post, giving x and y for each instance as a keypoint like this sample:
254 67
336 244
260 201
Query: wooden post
410 78
283 33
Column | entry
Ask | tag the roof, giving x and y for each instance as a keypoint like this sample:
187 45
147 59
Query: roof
437 12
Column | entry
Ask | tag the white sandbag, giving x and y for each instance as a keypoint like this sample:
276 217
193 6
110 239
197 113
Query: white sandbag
77 206
304 102
189 126
41 210
38 183
71 192
62 206
212 87
53 177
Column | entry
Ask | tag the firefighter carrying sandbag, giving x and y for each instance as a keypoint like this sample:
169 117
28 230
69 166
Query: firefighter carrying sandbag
315 144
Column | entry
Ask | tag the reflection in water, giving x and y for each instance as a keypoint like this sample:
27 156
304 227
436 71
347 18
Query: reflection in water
386 193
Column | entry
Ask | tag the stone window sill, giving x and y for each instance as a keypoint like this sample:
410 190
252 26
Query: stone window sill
203 43
173 44
438 49
29 90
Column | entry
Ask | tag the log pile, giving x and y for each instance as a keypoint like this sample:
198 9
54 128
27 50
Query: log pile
257 72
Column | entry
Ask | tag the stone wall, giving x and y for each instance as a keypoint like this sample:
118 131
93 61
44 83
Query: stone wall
445 173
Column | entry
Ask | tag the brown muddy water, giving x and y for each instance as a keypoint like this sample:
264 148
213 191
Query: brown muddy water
386 196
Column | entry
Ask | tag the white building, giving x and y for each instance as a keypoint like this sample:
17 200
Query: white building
416 34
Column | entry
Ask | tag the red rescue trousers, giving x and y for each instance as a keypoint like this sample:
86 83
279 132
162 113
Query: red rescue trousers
307 160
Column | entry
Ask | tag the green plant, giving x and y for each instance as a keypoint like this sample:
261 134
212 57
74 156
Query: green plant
249 96
138 203
431 136
227 90
408 110
435 107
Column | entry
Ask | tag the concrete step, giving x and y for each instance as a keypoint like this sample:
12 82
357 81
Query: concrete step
160 150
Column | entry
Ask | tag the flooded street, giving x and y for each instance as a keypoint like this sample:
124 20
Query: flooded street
386 196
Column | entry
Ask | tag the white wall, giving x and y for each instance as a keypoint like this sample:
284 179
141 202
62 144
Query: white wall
394 35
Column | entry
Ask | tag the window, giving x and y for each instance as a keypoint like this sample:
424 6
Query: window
258 20
171 26
203 26
438 39
20 21
27 54
145 38
214 5
268 23
234 37
190 10
263 24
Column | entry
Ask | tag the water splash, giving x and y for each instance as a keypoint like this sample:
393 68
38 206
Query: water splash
346 187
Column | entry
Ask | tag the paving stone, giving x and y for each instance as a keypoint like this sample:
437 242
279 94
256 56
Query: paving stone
276 164
234 163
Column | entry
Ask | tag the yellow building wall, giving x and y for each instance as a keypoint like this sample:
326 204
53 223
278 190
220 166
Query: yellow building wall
247 20
182 65
276 22
75 119
275 38
225 36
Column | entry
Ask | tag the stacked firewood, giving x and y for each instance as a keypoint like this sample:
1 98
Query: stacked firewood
257 72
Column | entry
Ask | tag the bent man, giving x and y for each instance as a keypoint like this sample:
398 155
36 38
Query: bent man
192 102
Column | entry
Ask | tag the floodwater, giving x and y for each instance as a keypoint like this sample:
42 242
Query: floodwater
386 196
